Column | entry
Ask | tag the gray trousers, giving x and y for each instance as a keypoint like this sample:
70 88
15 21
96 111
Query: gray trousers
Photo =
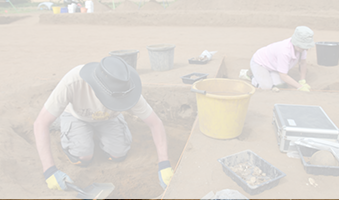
263 78
77 135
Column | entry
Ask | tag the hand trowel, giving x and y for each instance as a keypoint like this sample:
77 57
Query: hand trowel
93 191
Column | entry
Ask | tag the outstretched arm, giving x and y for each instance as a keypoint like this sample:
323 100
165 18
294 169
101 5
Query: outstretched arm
41 132
289 80
159 135
165 171
55 178
302 69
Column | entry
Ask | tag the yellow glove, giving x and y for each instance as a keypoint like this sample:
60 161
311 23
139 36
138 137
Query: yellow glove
303 82
56 179
165 173
304 88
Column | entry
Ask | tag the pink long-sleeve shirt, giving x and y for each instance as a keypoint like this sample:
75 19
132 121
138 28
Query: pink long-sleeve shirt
279 56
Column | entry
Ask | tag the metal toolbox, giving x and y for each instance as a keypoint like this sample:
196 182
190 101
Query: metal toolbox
293 122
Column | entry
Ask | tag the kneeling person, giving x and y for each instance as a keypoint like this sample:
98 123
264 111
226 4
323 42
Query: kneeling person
270 65
89 99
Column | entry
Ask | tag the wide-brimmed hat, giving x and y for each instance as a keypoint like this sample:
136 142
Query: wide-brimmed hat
116 84
303 37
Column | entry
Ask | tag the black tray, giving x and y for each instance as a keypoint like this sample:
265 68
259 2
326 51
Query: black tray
249 156
188 80
315 169
194 61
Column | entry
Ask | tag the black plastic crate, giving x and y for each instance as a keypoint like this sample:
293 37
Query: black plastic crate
193 77
196 61
315 169
250 157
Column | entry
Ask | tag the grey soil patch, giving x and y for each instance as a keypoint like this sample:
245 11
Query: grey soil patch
10 19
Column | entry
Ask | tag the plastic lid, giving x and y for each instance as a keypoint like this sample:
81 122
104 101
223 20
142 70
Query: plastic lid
160 47
327 43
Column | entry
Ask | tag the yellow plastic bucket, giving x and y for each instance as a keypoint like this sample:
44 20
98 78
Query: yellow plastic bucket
56 10
222 106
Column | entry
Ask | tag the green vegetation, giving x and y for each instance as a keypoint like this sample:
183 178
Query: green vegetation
21 6
25 6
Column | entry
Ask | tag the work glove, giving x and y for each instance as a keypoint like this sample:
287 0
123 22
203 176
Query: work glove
56 179
303 82
165 173
304 88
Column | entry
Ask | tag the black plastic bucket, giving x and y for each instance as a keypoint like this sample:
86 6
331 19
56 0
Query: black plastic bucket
327 53
129 56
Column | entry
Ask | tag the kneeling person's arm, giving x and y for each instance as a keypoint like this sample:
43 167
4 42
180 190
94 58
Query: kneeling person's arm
165 171
55 178
289 80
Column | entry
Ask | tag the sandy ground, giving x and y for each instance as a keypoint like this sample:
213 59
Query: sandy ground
200 164
35 56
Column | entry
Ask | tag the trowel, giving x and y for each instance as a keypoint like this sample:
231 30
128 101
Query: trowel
94 191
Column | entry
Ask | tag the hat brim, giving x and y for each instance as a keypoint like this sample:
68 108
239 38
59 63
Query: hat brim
122 103
306 46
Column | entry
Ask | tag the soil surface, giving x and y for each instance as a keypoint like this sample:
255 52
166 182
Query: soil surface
200 166
38 50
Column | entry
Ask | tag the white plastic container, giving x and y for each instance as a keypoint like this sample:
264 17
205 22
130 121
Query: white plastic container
70 9
89 6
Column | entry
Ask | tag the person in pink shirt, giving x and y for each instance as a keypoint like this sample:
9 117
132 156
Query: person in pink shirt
270 64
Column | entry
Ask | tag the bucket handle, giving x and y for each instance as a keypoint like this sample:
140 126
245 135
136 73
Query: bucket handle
198 91
204 92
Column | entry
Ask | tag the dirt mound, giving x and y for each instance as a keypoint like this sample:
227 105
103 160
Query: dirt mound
152 6
99 7
190 5
127 6
254 5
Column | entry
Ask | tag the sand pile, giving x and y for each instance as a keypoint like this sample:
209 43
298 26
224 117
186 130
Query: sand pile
127 6
152 5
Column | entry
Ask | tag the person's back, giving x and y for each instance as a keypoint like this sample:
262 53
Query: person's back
279 56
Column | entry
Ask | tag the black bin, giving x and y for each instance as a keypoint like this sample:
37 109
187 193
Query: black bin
327 53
